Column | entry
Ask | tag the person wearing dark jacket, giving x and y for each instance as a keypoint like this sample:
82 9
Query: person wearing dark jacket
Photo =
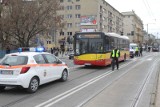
7 50
115 54
140 51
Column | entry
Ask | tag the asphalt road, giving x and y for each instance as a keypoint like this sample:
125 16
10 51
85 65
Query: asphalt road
133 85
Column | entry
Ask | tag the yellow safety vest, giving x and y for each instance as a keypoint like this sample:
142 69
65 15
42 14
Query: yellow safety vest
136 48
117 53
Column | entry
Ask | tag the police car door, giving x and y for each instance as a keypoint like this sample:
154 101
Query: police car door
41 68
55 70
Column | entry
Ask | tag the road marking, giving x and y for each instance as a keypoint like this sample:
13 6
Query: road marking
73 90
149 59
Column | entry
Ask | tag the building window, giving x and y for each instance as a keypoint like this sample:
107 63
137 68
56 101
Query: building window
77 24
78 16
69 7
77 0
69 33
78 7
61 7
61 33
61 1
69 16
69 25
48 42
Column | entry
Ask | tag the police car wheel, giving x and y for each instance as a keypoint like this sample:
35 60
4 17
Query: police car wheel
64 76
33 86
2 88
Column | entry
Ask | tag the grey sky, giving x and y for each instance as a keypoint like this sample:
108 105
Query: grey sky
147 10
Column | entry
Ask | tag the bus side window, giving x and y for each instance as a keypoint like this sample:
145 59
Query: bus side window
120 44
111 43
106 44
99 47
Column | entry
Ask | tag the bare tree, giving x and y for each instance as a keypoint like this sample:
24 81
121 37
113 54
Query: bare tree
23 20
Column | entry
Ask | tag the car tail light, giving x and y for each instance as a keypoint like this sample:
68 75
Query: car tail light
24 70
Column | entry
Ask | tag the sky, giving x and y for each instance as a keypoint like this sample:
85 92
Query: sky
147 10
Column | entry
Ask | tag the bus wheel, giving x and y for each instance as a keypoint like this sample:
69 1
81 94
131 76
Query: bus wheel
2 88
124 57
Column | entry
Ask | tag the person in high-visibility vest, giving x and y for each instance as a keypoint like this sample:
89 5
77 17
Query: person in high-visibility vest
115 54
136 51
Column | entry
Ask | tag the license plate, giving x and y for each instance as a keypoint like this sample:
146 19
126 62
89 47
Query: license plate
6 72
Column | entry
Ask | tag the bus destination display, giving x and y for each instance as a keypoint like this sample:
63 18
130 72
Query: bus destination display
89 36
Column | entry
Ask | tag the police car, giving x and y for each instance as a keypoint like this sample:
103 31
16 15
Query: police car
31 69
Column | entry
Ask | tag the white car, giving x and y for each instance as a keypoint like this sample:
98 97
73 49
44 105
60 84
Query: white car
133 49
31 69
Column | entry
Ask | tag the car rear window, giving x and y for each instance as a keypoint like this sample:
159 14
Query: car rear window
14 60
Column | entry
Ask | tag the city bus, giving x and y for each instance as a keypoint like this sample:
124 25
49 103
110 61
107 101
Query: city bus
94 48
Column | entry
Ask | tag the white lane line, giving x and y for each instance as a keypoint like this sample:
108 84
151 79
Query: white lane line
149 59
75 88
50 104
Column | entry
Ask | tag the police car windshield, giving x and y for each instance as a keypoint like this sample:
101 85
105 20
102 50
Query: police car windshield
14 60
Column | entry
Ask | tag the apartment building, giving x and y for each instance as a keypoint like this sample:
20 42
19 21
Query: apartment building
133 27
88 15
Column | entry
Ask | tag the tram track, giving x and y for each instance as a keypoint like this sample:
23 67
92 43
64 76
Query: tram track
144 85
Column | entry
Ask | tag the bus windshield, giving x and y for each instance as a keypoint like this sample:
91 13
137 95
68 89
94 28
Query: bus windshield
88 45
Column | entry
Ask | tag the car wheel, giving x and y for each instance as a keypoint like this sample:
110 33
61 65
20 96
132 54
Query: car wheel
64 76
33 86
2 88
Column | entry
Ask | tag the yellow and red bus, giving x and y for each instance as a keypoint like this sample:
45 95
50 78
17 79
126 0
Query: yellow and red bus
94 48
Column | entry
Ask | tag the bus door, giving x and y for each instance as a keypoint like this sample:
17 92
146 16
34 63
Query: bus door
99 50
95 47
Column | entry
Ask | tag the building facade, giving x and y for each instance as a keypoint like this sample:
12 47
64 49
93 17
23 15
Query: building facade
133 27
88 15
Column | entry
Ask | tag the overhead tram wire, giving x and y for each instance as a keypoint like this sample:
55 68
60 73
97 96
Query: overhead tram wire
149 10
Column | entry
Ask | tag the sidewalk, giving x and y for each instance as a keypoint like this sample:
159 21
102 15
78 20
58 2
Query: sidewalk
157 102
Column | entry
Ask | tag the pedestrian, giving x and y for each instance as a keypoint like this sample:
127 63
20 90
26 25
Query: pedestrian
7 50
51 51
136 51
141 49
63 50
115 54
149 49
